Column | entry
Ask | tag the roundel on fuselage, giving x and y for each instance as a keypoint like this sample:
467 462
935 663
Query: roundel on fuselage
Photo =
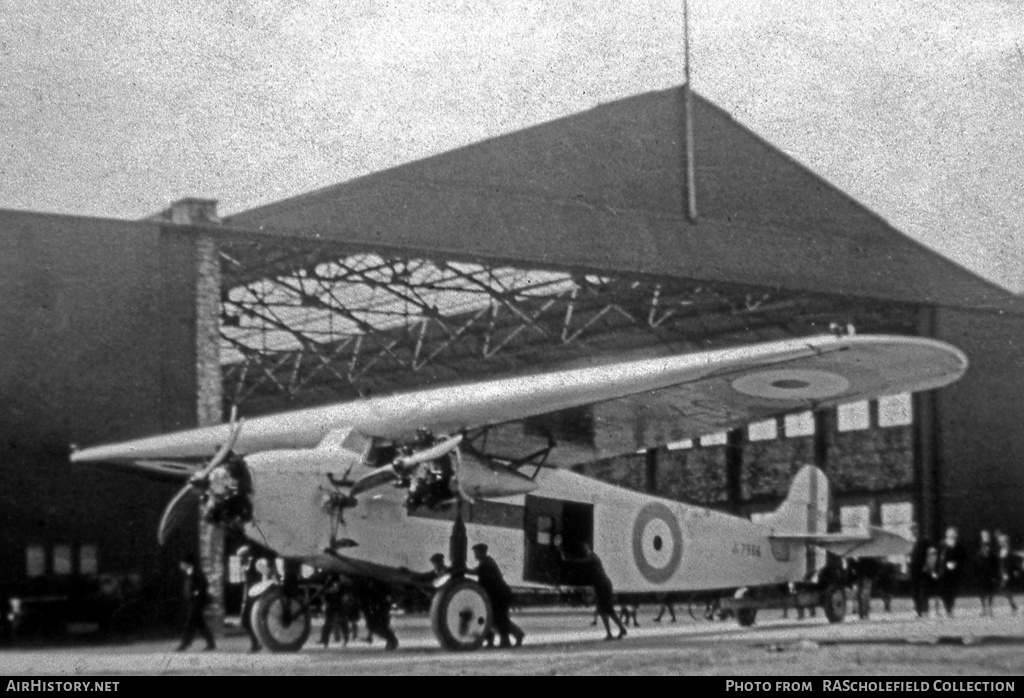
657 542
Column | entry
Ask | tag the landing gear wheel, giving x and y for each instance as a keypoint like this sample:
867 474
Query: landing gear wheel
834 601
460 615
746 616
281 623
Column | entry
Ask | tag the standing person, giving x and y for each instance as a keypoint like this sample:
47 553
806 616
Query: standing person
932 580
952 558
986 568
489 575
665 607
251 577
591 572
1008 566
438 568
333 620
375 599
197 593
919 574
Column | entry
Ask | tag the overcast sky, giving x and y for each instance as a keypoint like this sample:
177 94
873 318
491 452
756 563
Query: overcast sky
115 108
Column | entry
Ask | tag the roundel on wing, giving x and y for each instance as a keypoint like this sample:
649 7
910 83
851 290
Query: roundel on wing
792 384
657 542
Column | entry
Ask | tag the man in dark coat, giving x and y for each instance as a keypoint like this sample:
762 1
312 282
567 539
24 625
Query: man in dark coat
590 571
919 576
489 575
374 598
952 560
197 593
251 577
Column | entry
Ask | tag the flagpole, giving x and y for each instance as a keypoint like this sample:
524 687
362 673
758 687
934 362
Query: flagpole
691 177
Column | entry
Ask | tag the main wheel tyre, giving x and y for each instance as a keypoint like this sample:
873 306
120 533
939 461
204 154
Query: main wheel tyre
834 601
460 615
281 623
746 616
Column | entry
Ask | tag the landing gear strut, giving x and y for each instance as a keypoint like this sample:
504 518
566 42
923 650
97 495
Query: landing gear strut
460 612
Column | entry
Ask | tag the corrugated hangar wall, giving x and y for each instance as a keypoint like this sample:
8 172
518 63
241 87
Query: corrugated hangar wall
980 434
96 343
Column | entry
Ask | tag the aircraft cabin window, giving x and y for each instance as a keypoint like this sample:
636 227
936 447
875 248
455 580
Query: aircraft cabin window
800 424
718 439
544 524
853 417
62 559
895 410
35 561
763 431
88 559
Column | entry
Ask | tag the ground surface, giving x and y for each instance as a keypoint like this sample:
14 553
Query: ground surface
562 641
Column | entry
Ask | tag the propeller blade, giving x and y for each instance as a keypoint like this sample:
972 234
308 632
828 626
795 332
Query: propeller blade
181 506
377 478
403 464
223 451
458 479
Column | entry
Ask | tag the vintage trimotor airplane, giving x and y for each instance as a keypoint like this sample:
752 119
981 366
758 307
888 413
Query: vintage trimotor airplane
371 488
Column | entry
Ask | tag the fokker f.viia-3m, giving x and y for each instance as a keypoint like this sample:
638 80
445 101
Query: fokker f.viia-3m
371 488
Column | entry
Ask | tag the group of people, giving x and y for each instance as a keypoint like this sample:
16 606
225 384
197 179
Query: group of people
938 571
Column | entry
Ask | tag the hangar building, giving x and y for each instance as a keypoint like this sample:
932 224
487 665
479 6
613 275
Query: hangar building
565 243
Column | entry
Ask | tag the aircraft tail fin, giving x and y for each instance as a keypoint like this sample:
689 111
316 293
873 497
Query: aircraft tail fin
805 510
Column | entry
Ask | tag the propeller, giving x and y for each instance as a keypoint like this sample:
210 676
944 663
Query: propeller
404 465
185 500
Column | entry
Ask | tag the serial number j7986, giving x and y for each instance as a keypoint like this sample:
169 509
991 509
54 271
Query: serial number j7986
746 550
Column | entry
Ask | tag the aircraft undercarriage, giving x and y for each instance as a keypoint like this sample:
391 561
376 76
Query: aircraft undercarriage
745 604
460 616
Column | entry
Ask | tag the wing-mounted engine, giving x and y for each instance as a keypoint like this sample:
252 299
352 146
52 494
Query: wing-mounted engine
223 487
438 472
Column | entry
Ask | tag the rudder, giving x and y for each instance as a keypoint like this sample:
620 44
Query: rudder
805 509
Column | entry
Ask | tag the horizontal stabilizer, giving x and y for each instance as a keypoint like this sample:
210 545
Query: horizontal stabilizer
871 542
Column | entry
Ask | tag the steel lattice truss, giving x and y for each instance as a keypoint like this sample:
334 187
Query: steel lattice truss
367 323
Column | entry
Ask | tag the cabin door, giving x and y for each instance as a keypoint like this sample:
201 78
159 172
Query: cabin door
545 519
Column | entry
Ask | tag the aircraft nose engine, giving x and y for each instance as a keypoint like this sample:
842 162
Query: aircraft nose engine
223 485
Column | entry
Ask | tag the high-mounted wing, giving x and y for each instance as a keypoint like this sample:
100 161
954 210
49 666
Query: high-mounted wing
706 391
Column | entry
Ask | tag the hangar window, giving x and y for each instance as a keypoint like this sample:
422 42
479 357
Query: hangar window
679 445
898 516
853 417
62 559
236 575
718 439
895 410
763 431
800 424
854 518
88 559
35 561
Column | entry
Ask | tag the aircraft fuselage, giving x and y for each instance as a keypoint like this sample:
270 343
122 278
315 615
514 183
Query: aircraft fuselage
647 543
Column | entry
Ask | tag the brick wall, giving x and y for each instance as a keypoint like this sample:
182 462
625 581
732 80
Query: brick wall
866 462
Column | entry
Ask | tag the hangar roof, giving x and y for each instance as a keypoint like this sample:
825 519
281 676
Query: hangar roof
604 191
